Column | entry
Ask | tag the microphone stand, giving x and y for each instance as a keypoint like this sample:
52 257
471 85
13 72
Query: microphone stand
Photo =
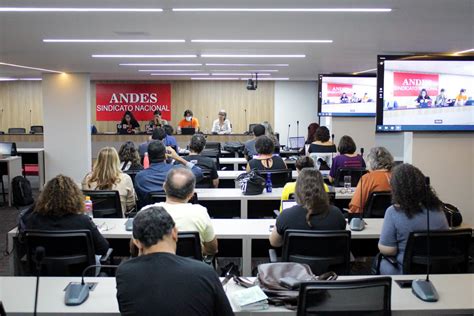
288 138
297 135
246 124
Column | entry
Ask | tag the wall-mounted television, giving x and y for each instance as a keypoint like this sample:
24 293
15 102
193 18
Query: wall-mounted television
347 95
425 93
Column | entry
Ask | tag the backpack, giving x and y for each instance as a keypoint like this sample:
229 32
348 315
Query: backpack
234 147
21 189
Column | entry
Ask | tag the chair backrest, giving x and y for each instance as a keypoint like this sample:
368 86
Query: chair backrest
449 252
36 129
279 177
67 253
331 195
106 204
371 296
216 146
206 181
377 204
251 126
160 196
189 245
17 130
355 173
132 174
322 250
214 156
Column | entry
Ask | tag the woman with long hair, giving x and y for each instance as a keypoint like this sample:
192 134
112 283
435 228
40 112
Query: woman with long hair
129 157
129 123
106 175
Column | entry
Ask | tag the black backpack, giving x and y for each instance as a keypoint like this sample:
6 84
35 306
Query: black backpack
21 189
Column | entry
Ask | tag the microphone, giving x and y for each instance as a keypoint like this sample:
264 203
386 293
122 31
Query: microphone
246 125
297 134
362 152
332 139
77 293
30 119
288 138
424 289
38 259
357 223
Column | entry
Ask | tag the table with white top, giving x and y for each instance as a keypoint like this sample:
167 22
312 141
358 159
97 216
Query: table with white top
18 293
14 169
239 163
39 153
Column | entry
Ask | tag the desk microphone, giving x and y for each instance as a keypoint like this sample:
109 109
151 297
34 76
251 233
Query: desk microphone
288 138
31 120
332 153
77 293
362 152
357 223
38 259
424 289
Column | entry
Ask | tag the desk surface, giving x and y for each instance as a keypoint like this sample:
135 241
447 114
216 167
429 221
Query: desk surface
29 150
17 293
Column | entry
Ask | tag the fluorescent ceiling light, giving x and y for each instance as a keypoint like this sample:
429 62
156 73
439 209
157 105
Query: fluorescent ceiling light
241 70
250 65
30 79
8 79
141 56
238 74
33 68
162 65
282 9
49 40
267 79
180 74
250 56
36 9
167 70
214 78
464 51
260 41
364 71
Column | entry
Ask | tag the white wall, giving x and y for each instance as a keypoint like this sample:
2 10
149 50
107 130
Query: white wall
361 129
295 101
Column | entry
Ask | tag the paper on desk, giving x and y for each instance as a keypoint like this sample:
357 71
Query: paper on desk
250 298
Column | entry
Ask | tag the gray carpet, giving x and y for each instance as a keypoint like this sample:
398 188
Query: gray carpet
8 220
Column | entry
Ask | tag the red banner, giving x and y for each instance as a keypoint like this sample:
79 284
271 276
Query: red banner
114 99
407 84
336 89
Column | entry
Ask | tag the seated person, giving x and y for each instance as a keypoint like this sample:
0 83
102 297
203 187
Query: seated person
106 175
222 124
347 157
380 162
153 178
322 148
269 133
423 99
313 211
249 146
179 188
60 206
411 200
129 158
158 135
196 146
160 282
344 98
129 124
188 121
157 121
311 137
289 188
461 98
265 159
354 98
170 140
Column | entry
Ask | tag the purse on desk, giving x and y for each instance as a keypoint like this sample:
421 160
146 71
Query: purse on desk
251 183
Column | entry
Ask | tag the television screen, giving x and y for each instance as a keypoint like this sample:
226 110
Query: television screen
347 95
425 93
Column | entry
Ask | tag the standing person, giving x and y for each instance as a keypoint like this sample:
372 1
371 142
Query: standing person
131 124
249 146
441 99
106 175
412 199
188 121
129 157
423 99
347 158
158 282
461 98
196 146
222 125
157 121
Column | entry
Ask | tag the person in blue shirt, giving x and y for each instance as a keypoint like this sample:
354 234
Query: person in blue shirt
170 140
158 135
153 178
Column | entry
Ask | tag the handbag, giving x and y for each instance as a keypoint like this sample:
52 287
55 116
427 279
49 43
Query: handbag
251 183
453 215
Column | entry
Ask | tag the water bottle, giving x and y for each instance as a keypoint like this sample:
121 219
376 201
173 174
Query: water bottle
268 183
88 206
146 161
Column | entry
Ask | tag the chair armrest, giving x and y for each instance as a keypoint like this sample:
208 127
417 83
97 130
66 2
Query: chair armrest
273 255
106 257
391 260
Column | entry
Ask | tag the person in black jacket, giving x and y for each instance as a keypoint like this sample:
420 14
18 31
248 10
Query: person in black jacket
158 282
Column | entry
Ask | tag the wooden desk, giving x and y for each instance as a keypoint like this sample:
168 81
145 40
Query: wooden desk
14 169
17 293
38 154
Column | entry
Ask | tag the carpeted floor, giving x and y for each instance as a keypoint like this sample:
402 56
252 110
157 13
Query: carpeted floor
8 220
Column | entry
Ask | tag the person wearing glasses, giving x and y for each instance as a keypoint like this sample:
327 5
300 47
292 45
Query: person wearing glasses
222 125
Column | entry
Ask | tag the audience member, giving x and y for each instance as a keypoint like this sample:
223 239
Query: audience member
269 133
222 125
170 139
265 159
322 149
310 137
160 282
196 146
158 134
313 211
129 157
347 158
411 200
249 150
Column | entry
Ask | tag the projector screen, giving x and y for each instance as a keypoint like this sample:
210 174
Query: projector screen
426 93
347 95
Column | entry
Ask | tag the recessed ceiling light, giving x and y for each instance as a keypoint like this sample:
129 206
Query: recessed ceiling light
250 56
50 40
180 74
214 78
364 71
464 51
165 70
163 65
242 70
35 9
27 67
282 9
250 65
260 41
237 74
141 56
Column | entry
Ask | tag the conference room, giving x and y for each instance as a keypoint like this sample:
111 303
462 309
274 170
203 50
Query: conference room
293 157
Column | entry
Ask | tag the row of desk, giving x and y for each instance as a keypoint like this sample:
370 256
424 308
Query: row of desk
17 293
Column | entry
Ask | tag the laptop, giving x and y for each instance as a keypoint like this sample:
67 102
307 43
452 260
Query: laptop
285 204
188 131
296 142
122 129
7 149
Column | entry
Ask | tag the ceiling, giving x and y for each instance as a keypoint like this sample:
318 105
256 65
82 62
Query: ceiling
412 26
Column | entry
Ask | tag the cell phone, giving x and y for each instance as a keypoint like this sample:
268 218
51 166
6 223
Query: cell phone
290 283
271 227
404 284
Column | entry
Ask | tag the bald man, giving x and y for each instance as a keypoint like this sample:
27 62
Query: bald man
179 187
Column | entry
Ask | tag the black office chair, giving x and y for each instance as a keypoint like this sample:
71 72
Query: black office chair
36 129
106 204
251 126
355 173
189 245
322 250
449 252
17 130
370 296
377 204
213 146
279 177
160 196
206 181
67 253
132 174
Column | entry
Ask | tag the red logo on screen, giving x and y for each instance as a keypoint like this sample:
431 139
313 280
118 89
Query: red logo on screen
336 89
407 84
114 99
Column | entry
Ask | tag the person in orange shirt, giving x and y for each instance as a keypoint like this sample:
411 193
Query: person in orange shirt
461 98
380 162
188 121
